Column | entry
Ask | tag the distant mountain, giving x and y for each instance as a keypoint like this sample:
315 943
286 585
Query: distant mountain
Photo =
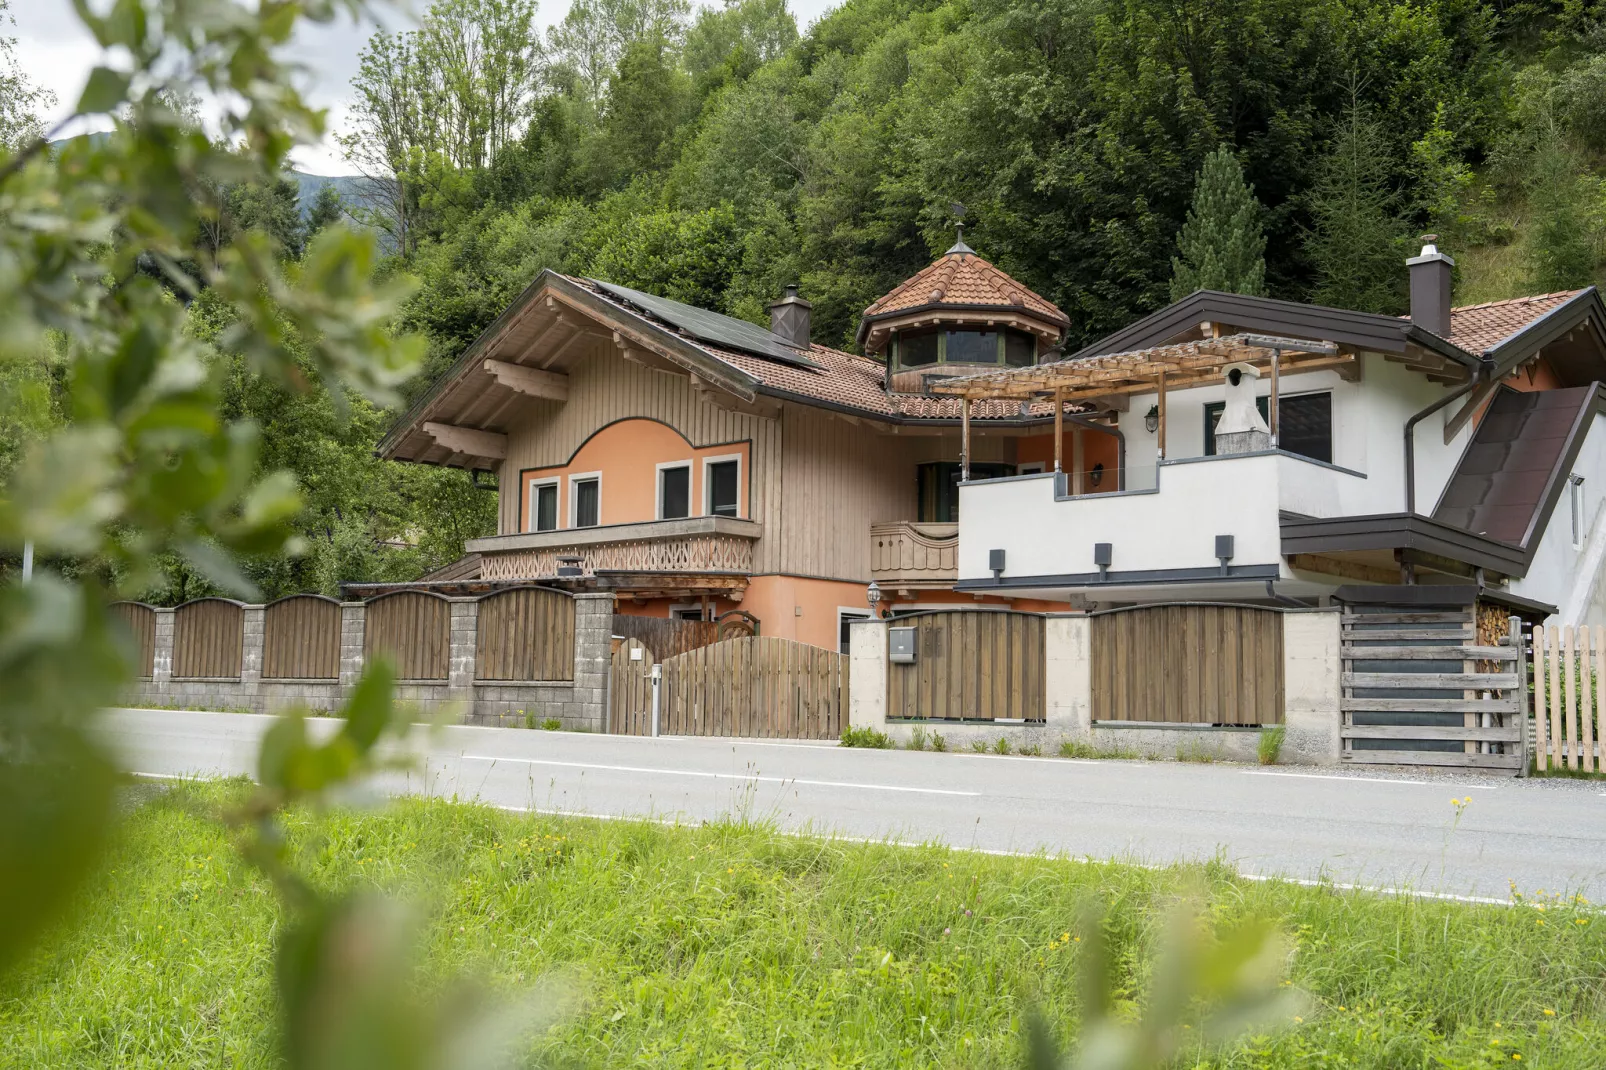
348 186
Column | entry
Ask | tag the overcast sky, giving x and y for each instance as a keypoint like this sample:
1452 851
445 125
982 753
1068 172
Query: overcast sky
57 53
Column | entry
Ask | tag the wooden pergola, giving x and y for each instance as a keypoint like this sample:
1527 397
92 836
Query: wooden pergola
1141 371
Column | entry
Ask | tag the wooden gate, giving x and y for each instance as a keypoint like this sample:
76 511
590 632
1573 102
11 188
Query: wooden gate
970 665
1188 663
1417 690
750 686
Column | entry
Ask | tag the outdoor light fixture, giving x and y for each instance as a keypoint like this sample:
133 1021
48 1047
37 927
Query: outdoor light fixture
872 594
1151 419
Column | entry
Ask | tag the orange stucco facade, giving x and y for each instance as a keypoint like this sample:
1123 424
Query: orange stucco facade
625 458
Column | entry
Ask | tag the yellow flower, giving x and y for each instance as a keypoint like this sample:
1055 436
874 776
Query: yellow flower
1297 1018
1065 936
1580 921
1343 1008
1549 1013
1517 1055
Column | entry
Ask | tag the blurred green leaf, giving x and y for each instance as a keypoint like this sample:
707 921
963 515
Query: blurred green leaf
103 92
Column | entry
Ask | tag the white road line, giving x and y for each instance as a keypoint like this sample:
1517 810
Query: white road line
722 776
1372 779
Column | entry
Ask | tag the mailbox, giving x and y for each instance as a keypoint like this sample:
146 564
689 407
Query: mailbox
901 645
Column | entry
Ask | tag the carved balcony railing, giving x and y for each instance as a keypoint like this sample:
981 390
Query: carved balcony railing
906 554
697 545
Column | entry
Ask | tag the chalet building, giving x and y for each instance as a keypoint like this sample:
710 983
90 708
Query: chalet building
695 465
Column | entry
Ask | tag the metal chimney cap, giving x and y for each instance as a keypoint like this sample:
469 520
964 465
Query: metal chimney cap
1430 252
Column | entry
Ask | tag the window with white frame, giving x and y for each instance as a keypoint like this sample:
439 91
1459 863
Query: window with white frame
585 500
674 490
1575 499
722 486
544 505
688 611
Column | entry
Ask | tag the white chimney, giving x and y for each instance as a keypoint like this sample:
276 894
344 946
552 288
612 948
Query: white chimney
1241 428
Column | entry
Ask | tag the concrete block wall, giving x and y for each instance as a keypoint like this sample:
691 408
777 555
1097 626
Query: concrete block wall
580 704
1311 674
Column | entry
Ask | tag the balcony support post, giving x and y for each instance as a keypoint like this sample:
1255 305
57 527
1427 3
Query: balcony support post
1160 404
1077 461
1271 410
964 440
1059 430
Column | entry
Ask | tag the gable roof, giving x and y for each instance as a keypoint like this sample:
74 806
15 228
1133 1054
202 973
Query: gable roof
961 281
1480 328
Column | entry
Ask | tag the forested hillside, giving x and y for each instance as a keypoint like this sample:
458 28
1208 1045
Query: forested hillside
714 154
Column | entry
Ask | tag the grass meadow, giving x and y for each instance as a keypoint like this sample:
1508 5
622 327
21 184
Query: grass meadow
735 945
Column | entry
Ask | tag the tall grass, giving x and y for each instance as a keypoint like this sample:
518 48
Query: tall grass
734 945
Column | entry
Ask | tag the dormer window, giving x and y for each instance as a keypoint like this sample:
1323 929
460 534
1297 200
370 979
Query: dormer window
961 345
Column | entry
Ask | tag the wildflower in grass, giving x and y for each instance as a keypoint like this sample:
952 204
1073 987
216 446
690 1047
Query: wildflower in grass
1549 1013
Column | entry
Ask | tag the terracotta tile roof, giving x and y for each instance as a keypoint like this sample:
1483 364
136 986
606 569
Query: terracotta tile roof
964 279
843 379
1479 328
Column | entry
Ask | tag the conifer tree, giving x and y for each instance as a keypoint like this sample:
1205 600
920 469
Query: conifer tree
1222 245
1356 241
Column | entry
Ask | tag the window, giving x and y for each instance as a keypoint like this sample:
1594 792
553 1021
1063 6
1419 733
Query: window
937 487
1305 424
971 347
674 491
544 506
1575 499
845 617
586 506
686 611
917 350
722 480
1030 468
1020 349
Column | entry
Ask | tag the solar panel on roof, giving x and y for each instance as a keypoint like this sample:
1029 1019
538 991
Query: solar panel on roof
711 327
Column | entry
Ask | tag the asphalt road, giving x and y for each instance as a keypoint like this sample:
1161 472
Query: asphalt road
1377 830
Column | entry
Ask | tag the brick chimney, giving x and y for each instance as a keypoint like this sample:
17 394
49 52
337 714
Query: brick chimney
1430 287
790 319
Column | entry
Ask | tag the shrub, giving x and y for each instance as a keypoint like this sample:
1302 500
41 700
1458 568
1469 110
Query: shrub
1032 750
917 738
938 743
1271 743
979 746
865 737
552 724
1002 746
1075 748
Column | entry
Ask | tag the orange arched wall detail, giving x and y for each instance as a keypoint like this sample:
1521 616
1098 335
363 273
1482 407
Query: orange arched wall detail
625 458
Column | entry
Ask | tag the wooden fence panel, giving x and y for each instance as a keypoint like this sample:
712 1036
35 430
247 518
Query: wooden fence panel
301 638
970 665
1569 707
630 690
666 636
141 621
208 639
526 633
413 630
753 686
1188 664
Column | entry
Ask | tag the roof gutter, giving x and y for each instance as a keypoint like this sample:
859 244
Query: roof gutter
1410 432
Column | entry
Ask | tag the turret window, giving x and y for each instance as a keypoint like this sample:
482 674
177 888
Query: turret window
972 347
918 349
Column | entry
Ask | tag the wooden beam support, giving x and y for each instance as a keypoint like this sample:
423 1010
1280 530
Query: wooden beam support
531 382
1348 570
1059 431
1160 403
473 442
1474 401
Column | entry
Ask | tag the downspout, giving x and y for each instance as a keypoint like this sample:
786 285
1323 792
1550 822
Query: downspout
1410 434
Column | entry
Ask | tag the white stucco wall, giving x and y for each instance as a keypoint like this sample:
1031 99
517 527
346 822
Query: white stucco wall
1566 576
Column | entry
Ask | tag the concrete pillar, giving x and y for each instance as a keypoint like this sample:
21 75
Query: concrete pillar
253 638
353 616
1311 675
162 653
464 640
593 634
1068 680
867 674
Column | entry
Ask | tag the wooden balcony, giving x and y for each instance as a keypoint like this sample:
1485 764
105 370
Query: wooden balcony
914 556
694 546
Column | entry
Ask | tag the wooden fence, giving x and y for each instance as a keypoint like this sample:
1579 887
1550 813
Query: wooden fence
208 639
1188 663
970 665
301 638
526 633
1569 666
412 630
750 686
666 637
141 621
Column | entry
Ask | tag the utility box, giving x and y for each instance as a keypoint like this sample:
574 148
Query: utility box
901 646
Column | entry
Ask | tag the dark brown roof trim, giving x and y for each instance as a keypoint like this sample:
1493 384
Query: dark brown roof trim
1440 594
1061 321
1584 307
1400 531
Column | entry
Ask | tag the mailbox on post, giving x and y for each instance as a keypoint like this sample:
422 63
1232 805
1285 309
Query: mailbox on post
901 645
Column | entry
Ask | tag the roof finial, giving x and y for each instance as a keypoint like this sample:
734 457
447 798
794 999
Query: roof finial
959 246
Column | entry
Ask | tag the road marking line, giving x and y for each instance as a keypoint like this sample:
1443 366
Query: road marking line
1371 779
723 776
166 776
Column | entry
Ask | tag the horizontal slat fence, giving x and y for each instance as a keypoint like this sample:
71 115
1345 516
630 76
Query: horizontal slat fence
301 638
141 621
208 639
1188 664
970 665
665 636
411 629
525 634
1569 710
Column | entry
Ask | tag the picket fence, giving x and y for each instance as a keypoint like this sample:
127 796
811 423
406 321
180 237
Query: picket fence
1569 707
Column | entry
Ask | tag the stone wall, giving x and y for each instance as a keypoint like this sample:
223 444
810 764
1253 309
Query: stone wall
580 704
1311 674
